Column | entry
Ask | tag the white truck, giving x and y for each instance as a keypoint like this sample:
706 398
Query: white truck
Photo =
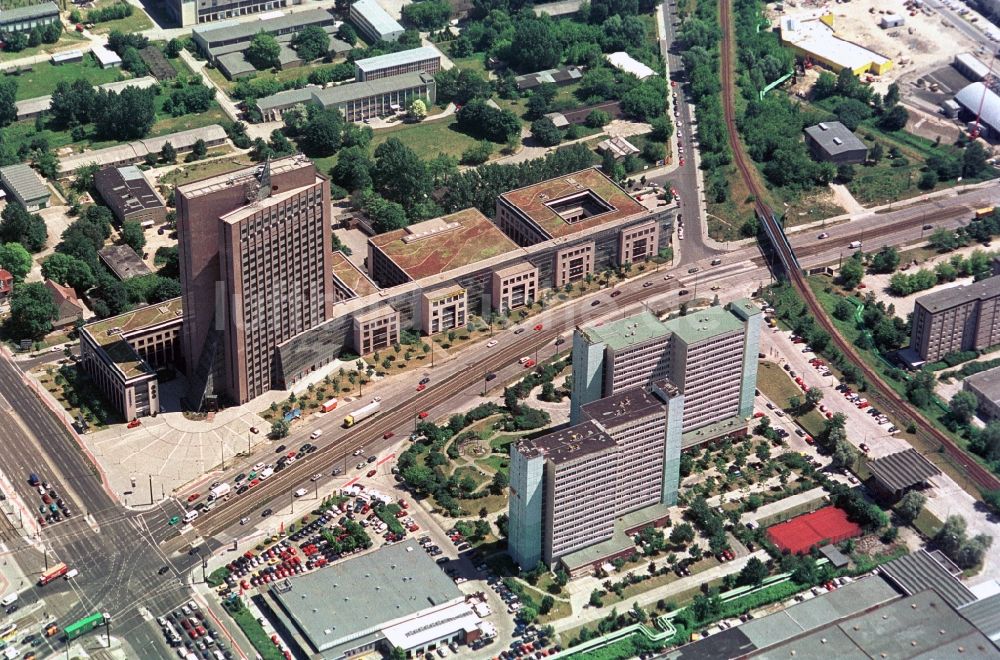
220 491
363 412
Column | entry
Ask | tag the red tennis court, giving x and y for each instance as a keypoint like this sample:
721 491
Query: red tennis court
798 535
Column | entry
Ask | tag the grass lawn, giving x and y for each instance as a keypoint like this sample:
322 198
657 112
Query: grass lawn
495 462
166 123
429 138
201 170
42 78
776 385
470 472
137 22
928 524
472 62
66 42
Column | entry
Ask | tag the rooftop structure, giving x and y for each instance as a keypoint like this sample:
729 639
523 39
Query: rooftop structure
24 184
984 614
111 333
366 599
813 37
568 443
434 246
986 387
563 205
130 195
938 301
105 57
834 142
374 22
134 152
211 36
65 56
922 570
561 76
123 261
895 473
424 58
625 62
628 331
351 278
970 66
618 146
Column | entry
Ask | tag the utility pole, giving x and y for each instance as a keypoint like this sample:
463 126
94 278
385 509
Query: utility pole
222 450
150 489
107 632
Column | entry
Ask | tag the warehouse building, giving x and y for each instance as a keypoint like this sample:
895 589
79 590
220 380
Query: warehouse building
25 186
124 262
562 76
105 57
24 18
986 386
970 66
628 64
135 152
895 474
232 37
835 143
373 21
814 39
425 58
977 100
130 195
393 597
359 100
122 354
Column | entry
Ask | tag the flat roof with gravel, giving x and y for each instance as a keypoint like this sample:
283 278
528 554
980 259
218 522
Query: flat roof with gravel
628 331
704 324
351 275
960 295
986 383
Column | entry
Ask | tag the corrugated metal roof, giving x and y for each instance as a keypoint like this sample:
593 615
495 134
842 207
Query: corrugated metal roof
377 17
970 97
919 571
902 469
985 615
23 182
105 55
26 13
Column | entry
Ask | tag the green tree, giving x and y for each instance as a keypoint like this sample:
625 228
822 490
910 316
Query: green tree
397 653
595 598
813 396
951 536
545 132
19 226
682 534
322 134
962 407
845 173
644 102
894 119
428 14
753 573
69 271
31 312
15 260
263 51
535 45
928 180
126 115
8 96
910 506
279 429
133 236
974 161
399 174
885 260
851 272
347 33
353 169
417 110
599 118
167 153
312 42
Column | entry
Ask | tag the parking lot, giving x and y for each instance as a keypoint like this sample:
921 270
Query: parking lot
191 634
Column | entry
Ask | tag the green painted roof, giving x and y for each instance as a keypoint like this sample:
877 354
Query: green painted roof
704 324
625 332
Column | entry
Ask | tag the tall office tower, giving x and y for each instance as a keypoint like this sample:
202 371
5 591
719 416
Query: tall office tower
256 256
570 487
710 355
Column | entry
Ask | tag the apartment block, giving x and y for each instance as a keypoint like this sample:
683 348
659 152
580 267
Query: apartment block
514 286
425 58
256 256
710 355
376 330
122 354
443 309
574 491
957 319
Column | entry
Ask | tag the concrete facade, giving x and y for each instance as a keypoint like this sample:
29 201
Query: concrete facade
425 58
958 319
376 330
514 287
444 309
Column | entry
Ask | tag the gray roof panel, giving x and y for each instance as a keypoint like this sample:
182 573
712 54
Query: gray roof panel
24 182
984 614
919 571
903 469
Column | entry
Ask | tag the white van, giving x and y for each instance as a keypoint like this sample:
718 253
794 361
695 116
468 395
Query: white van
854 245
266 473
316 434
9 599
72 574
191 515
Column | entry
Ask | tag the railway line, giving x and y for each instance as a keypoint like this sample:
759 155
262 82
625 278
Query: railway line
894 404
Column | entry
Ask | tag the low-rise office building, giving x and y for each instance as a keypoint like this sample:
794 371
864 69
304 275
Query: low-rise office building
135 152
957 319
515 286
376 330
986 386
130 195
443 309
425 58
393 597
122 353
123 261
194 12
833 142
231 36
25 186
374 22
28 17
358 100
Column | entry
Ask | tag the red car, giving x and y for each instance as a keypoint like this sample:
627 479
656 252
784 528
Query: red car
758 415
423 414
538 327
134 423
371 473
673 83
421 387
529 364
387 435
681 162
193 496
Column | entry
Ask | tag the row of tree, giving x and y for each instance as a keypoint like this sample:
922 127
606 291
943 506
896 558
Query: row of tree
16 41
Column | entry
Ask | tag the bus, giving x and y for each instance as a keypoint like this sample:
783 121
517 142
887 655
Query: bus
983 212
56 571
86 624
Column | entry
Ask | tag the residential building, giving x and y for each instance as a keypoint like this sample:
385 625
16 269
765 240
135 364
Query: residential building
710 355
376 330
985 385
514 286
576 493
434 246
833 142
135 152
394 597
194 12
6 285
25 186
130 195
443 309
123 262
255 255
373 21
957 319
69 309
424 58
27 17
566 75
123 353
357 101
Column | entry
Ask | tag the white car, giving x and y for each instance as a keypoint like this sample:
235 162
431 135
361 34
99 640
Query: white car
491 343
316 477
258 467
300 492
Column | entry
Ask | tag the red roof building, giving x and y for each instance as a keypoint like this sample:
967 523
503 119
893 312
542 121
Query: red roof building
6 284
68 306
